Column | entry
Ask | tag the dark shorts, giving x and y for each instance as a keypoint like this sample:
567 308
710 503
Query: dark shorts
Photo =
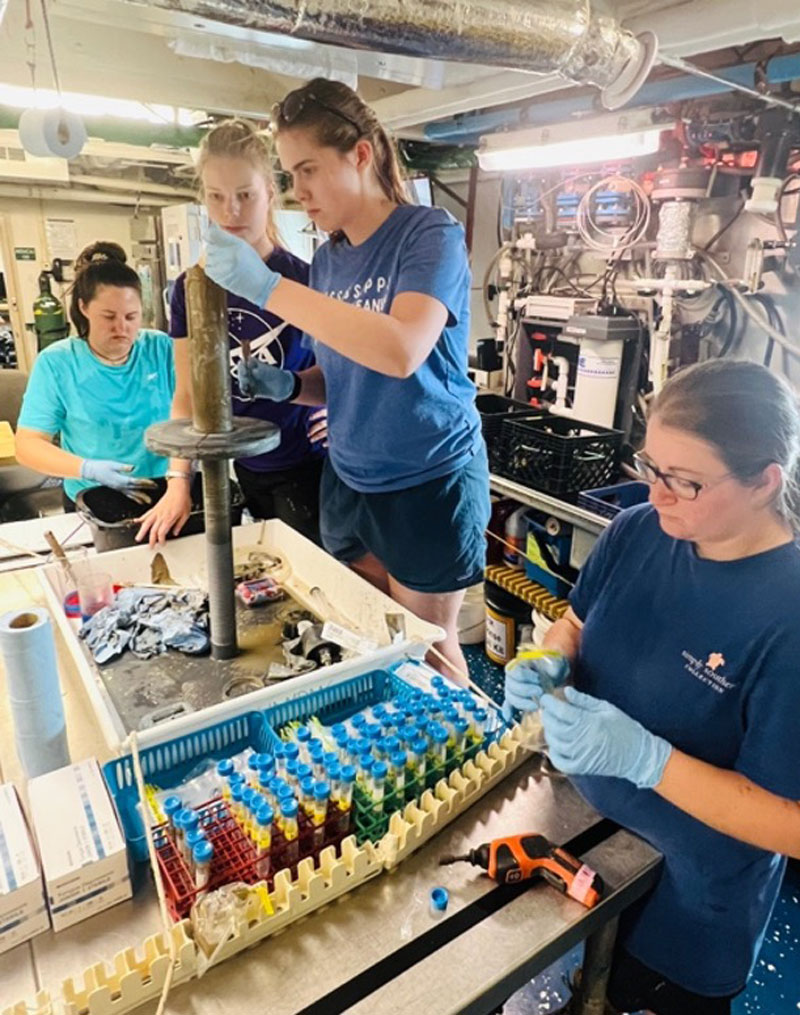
429 538
634 986
292 495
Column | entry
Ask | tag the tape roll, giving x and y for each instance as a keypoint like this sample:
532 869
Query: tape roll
51 132
34 693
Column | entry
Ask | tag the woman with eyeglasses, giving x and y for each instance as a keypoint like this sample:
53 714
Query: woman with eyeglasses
405 491
683 637
234 170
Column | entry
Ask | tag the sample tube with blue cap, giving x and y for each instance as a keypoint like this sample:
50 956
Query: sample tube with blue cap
307 794
439 744
290 829
280 759
461 727
202 855
225 770
333 773
348 778
416 758
365 762
293 751
252 770
264 785
292 764
399 760
317 755
264 819
237 804
379 772
341 741
322 794
303 772
468 710
480 718
357 723
301 737
171 807
192 838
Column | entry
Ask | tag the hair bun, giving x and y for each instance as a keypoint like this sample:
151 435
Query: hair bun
96 253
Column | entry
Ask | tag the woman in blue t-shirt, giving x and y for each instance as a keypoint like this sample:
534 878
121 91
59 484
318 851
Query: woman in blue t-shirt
98 392
235 173
405 492
684 723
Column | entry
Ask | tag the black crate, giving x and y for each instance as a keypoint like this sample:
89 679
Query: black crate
493 409
558 455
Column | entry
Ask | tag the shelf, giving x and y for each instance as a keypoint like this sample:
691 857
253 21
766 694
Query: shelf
576 516
528 591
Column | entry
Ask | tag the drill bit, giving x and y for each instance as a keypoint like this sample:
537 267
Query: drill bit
449 858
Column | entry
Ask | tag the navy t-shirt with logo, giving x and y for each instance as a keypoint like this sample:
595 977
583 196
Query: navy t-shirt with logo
705 654
272 341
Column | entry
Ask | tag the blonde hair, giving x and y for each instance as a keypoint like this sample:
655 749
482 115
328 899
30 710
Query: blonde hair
240 139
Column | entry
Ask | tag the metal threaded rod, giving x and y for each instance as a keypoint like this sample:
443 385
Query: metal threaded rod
207 319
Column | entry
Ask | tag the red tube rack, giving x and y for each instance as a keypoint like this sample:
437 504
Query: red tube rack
235 857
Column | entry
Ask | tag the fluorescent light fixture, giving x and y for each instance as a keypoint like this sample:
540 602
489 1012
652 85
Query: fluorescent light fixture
94 105
602 139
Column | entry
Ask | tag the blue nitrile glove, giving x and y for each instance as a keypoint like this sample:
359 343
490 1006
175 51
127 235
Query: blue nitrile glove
117 475
262 380
529 676
587 736
233 264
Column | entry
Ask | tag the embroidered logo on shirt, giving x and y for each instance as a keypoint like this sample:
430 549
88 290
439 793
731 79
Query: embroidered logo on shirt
708 672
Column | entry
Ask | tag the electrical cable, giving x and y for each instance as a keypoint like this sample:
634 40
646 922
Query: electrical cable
729 286
725 227
775 320
594 235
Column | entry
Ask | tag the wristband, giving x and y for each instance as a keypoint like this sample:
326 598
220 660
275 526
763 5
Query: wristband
298 384
178 474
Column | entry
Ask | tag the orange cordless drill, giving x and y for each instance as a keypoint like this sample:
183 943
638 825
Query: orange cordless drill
521 857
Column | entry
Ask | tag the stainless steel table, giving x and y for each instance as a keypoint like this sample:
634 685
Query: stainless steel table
377 950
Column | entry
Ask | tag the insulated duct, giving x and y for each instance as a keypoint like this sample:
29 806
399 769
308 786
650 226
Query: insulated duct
565 37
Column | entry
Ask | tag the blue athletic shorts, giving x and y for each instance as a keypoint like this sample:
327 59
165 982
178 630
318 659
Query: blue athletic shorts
429 538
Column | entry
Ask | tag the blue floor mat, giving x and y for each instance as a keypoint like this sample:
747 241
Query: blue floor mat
774 987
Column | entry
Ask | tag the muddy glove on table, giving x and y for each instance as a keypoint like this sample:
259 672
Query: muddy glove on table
148 622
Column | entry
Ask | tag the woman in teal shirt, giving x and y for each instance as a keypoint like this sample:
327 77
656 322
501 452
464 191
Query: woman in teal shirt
98 392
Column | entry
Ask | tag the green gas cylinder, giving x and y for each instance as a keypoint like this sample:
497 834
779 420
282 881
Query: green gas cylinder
49 319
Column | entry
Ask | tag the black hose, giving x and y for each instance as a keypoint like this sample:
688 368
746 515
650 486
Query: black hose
774 318
733 326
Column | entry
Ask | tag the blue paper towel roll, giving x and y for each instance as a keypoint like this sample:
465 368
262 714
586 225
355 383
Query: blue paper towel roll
29 655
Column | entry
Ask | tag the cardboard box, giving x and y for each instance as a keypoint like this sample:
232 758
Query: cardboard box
23 912
84 860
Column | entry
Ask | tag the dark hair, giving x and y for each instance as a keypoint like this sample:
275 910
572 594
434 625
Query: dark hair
748 414
339 118
238 138
101 263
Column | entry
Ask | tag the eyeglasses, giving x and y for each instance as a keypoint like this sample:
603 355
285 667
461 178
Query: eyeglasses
685 489
295 102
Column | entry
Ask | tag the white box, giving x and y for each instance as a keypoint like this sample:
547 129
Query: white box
84 860
23 912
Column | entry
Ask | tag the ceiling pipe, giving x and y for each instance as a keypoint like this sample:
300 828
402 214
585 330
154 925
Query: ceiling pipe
545 36
468 128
